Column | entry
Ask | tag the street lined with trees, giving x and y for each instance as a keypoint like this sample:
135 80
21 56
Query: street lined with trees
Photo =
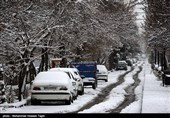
71 29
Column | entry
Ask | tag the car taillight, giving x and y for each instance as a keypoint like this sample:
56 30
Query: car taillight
36 88
63 88
73 83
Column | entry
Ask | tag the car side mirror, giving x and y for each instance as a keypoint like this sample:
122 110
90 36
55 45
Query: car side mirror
75 79
78 79
82 76
97 70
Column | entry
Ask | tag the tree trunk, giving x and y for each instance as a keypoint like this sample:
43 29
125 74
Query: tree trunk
46 59
41 67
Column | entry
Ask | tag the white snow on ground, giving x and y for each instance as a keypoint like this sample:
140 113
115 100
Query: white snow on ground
151 96
81 100
135 107
156 98
115 98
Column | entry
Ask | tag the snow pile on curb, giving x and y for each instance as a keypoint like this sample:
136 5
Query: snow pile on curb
15 105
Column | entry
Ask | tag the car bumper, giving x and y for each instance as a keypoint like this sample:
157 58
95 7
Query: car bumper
102 77
88 81
50 96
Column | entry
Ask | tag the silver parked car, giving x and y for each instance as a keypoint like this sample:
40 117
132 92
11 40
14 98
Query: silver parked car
102 73
52 86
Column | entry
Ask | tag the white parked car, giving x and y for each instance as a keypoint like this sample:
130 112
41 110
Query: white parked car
79 80
102 73
52 86
122 65
74 80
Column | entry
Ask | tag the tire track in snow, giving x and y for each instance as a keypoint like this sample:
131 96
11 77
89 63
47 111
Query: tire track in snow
105 92
130 97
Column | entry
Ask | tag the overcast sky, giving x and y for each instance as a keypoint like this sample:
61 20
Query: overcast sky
140 15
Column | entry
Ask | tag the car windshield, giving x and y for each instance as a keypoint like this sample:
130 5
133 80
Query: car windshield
101 68
68 74
75 72
122 63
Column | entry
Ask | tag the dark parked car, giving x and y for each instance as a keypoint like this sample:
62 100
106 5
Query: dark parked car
129 62
122 65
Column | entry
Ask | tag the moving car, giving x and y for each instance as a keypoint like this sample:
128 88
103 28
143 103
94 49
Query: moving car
52 86
72 75
122 65
102 73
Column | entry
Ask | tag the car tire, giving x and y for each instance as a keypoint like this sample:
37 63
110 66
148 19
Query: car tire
106 80
75 97
72 100
68 102
82 91
94 86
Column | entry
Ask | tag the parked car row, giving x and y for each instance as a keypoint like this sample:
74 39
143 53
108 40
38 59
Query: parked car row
87 69
122 64
64 84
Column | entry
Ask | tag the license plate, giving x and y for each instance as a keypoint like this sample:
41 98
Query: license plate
50 88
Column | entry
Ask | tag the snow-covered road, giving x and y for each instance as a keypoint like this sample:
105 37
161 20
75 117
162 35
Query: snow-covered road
114 99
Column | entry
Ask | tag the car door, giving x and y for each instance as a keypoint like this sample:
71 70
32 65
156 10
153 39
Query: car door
74 83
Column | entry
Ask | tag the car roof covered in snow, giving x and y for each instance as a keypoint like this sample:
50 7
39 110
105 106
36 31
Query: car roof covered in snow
122 61
101 68
52 78
63 69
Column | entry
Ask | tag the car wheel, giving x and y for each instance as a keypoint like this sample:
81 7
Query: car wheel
68 102
72 100
82 91
75 96
106 80
94 86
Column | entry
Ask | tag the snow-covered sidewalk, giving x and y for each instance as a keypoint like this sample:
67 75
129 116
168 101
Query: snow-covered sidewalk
156 98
